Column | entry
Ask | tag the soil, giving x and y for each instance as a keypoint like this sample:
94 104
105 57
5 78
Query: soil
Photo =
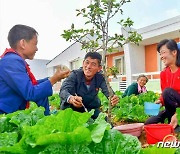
142 139
120 123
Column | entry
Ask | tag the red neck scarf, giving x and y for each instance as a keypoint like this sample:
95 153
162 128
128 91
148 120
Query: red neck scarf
31 76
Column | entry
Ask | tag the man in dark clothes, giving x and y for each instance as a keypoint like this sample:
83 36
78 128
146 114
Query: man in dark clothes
79 91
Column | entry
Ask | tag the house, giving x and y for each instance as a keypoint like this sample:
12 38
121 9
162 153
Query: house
131 60
72 57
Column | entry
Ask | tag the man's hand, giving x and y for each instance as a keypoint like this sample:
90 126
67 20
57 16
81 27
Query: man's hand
174 121
114 100
60 74
76 101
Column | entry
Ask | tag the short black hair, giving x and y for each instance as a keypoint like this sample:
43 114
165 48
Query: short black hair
19 32
94 55
171 45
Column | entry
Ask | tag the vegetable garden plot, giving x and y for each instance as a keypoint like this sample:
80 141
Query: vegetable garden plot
67 131
130 109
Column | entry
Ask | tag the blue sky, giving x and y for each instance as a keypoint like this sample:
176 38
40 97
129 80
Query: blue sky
51 17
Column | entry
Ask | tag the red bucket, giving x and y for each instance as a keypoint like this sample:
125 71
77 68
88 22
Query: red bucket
156 132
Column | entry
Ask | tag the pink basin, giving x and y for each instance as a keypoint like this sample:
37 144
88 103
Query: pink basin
134 129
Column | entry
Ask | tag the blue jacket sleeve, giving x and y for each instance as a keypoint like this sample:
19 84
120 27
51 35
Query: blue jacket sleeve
42 80
15 75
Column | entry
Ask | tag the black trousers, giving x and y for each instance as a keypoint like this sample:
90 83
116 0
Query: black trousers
171 101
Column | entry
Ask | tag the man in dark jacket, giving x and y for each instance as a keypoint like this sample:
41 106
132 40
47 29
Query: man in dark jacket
79 91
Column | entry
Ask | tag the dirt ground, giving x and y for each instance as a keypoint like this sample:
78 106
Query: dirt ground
142 139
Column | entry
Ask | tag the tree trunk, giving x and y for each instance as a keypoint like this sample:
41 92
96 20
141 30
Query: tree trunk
111 93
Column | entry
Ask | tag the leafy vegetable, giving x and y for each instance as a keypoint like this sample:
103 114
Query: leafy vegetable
67 127
98 128
116 143
66 149
8 139
67 132
104 101
156 150
54 101
131 108
5 125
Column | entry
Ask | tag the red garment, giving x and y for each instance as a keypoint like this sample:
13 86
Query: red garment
31 76
170 80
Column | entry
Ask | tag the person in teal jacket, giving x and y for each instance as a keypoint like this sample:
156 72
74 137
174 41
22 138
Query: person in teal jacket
138 87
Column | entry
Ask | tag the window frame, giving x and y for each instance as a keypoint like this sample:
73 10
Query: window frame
123 68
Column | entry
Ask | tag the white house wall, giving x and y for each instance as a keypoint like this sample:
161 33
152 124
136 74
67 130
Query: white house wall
137 58
38 67
71 53
50 71
134 60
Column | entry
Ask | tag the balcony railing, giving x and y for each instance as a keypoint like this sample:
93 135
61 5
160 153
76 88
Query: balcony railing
150 75
120 82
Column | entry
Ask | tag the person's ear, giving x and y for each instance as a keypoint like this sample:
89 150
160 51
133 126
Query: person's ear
100 68
22 43
83 63
174 52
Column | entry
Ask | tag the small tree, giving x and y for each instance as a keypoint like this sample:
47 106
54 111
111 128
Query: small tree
97 38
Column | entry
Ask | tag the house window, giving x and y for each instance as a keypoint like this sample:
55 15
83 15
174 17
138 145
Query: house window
119 63
75 64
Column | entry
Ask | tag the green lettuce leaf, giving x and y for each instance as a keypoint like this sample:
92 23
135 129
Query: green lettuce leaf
5 125
66 127
98 128
66 149
8 139
156 150
27 118
114 142
79 135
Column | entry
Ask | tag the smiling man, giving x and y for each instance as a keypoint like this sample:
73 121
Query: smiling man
79 91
